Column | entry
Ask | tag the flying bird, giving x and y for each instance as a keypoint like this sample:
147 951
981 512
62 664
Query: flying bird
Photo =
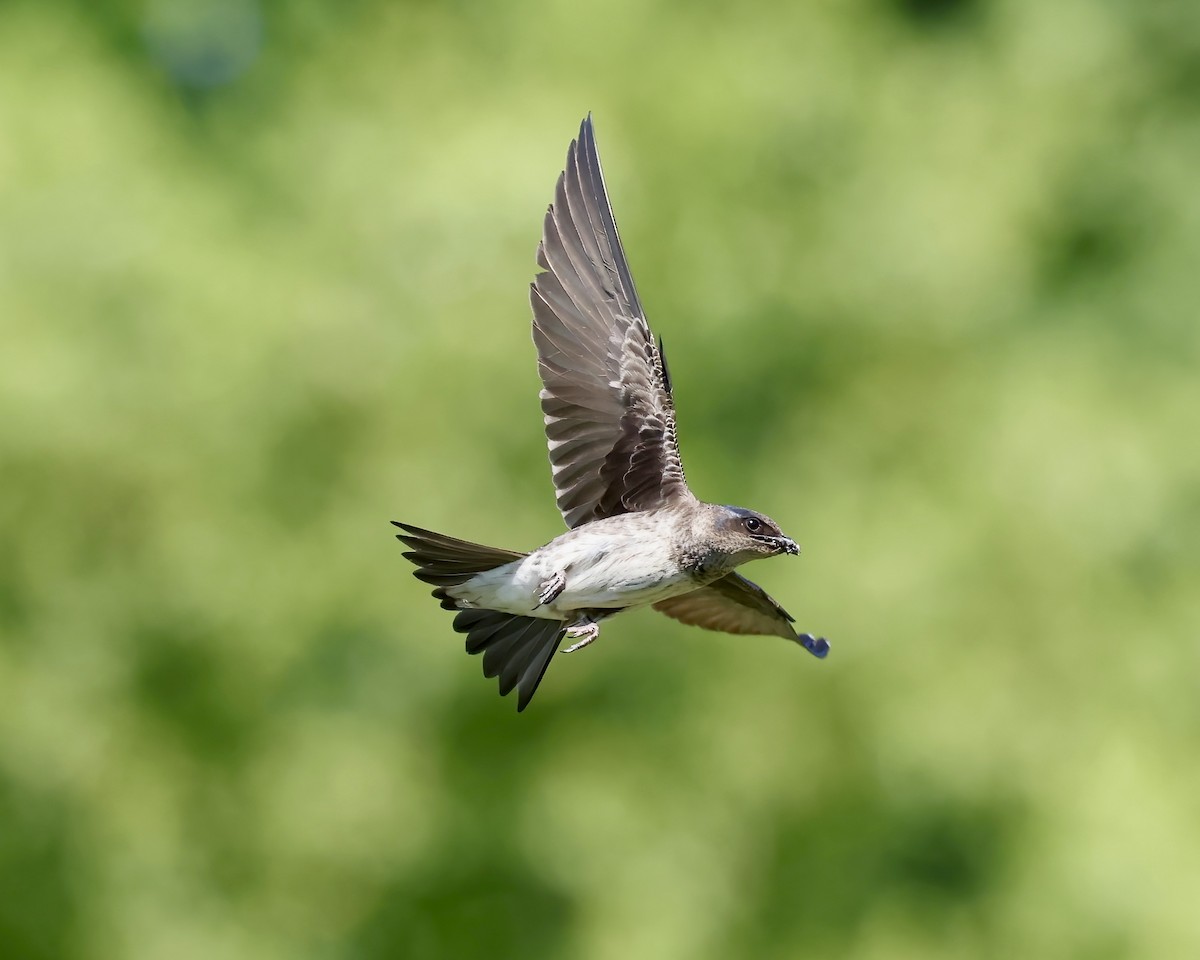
637 534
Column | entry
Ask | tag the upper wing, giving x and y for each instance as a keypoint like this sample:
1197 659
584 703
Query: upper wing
732 604
606 395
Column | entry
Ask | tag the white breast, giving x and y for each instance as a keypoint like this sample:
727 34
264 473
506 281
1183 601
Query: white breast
606 565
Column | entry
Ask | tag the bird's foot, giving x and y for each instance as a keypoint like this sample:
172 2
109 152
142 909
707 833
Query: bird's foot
818 646
585 631
550 589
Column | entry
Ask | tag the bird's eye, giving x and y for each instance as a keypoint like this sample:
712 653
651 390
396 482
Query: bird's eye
753 524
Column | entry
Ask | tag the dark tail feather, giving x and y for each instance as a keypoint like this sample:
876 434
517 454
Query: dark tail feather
444 561
515 649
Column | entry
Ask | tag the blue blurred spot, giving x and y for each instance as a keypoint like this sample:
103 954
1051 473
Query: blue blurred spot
203 45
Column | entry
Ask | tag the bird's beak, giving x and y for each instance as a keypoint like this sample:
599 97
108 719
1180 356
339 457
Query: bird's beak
789 545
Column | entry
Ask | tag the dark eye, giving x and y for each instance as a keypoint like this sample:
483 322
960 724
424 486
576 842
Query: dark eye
753 524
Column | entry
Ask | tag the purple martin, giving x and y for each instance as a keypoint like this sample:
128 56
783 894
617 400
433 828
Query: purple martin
637 535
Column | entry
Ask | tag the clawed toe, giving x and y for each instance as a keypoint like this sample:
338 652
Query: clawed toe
585 632
551 588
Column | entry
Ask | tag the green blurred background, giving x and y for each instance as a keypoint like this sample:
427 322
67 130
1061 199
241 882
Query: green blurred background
927 272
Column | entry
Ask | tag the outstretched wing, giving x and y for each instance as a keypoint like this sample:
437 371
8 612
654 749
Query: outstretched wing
606 395
734 604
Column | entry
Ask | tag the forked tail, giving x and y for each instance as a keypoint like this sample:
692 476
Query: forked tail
515 649
446 562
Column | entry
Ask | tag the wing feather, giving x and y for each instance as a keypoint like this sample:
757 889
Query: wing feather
732 604
606 397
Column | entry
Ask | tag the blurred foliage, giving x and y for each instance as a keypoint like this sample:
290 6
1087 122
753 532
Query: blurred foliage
927 274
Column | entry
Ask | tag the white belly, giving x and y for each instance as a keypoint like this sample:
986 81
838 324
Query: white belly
602 571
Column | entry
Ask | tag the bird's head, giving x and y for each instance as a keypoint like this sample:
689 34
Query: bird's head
752 536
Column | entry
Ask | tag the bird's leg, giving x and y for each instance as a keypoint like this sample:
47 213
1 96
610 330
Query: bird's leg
550 588
585 629
817 647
